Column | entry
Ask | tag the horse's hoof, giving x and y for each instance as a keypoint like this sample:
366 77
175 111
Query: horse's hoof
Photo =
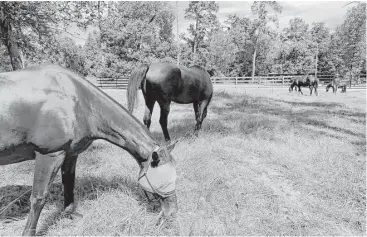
70 212
73 215
31 232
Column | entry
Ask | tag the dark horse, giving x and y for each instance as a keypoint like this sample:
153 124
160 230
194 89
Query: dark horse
305 81
52 115
166 82
335 84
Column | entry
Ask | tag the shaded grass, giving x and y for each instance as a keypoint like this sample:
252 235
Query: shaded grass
264 164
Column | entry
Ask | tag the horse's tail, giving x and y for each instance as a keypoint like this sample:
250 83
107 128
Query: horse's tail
293 83
317 82
137 76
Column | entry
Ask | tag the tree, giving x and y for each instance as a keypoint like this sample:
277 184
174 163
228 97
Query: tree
29 27
261 25
240 31
222 52
130 32
320 37
297 47
204 15
348 43
23 24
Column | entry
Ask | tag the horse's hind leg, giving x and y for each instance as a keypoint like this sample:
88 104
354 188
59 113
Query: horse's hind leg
149 105
163 120
202 112
68 181
44 173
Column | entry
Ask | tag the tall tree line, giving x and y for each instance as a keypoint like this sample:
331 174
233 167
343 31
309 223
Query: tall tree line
129 33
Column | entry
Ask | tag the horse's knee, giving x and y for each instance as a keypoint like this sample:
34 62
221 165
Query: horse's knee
37 203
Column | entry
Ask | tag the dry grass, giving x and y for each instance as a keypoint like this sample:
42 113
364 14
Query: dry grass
266 163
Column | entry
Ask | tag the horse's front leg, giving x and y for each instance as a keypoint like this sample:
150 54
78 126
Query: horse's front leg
149 105
163 120
44 173
300 91
310 90
68 181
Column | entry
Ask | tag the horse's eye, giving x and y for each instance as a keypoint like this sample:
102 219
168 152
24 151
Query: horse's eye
156 160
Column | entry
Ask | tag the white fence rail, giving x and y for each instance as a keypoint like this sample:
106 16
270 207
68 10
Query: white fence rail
259 81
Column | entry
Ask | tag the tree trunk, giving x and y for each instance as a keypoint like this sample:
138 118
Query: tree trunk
9 40
178 38
317 59
196 35
253 65
254 59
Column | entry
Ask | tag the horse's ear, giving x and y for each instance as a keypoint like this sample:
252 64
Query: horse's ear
211 72
171 145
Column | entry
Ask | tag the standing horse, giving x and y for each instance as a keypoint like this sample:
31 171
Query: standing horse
307 81
166 82
335 84
52 115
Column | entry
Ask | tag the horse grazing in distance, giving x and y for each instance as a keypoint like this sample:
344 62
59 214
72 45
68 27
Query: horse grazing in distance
50 114
167 82
335 84
306 81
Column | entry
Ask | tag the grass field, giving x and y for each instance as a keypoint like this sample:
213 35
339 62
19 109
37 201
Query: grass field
267 162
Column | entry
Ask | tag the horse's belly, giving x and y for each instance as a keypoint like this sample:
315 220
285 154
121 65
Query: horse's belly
183 99
16 154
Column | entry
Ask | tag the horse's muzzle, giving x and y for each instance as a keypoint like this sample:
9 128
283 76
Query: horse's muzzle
169 205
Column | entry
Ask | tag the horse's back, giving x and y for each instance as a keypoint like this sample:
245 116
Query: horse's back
179 83
35 108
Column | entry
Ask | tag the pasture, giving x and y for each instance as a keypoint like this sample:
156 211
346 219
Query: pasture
267 162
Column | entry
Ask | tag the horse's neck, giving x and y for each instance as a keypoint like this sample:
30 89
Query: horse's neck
111 122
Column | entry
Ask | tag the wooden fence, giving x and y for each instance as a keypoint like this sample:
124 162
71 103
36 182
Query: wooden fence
259 81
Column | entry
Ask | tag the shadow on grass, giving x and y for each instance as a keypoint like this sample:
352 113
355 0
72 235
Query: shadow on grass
328 105
86 188
253 113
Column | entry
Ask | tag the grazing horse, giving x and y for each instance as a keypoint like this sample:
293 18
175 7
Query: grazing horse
335 84
306 81
50 114
166 82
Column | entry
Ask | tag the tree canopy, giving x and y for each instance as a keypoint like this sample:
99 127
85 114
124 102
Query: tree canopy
128 33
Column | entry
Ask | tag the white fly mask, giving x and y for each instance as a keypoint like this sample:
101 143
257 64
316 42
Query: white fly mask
158 175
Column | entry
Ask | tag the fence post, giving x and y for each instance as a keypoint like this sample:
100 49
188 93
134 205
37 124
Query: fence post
236 80
283 81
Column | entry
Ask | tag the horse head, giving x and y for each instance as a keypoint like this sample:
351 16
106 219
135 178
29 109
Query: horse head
158 177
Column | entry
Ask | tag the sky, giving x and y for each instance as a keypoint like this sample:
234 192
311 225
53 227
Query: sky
332 13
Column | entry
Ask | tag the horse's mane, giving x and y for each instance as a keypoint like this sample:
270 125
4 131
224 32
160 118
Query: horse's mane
199 67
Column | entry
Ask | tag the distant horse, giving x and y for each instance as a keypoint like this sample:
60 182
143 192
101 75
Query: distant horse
335 84
52 115
305 81
166 82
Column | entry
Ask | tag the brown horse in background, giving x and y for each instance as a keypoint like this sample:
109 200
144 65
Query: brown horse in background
335 84
166 82
309 81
